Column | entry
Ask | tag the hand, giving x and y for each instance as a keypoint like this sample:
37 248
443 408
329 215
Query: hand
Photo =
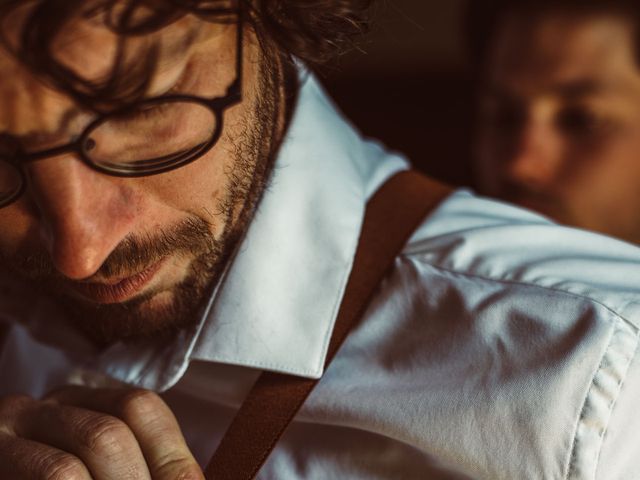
78 433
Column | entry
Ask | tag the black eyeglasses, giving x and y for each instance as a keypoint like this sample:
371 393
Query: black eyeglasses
149 137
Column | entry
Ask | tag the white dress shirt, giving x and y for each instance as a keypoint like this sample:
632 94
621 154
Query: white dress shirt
501 346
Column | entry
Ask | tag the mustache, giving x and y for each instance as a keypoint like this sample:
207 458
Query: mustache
133 253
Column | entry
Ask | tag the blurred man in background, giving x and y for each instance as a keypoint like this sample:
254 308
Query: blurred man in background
181 208
559 109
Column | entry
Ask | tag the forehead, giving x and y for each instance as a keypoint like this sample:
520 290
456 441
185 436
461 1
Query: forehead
87 46
561 48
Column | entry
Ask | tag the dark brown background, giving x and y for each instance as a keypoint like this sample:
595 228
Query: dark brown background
410 87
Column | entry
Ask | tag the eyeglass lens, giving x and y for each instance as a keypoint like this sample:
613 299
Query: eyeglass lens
151 136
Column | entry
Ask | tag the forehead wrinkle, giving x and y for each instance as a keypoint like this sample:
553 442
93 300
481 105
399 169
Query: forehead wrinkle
90 49
178 43
174 51
179 39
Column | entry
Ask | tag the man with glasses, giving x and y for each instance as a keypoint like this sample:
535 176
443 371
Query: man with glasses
181 210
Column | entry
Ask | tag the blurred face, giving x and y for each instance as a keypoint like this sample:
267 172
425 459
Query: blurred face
559 124
133 257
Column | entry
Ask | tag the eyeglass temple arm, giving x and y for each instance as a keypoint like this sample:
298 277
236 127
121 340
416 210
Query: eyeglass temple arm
235 88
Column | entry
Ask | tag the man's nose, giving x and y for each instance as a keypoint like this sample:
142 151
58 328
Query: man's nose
535 156
84 214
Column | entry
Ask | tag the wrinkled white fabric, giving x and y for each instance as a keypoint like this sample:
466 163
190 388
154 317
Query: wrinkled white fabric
501 346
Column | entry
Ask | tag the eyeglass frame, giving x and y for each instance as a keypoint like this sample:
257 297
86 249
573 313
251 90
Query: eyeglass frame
217 105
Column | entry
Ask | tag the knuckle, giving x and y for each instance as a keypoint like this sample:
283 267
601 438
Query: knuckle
14 403
62 466
140 404
105 435
12 410
179 469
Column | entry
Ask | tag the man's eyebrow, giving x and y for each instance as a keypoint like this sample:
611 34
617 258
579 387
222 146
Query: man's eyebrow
569 90
581 88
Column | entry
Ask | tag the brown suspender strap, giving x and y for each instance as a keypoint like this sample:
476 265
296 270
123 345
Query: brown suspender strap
392 214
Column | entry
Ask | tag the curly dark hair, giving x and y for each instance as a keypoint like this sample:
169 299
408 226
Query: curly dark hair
314 31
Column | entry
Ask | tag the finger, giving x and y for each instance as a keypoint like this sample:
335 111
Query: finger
22 459
102 442
151 421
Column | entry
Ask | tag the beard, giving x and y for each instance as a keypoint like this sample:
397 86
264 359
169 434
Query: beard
254 143
140 319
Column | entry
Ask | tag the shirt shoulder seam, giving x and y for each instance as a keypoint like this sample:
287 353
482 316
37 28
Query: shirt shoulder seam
607 307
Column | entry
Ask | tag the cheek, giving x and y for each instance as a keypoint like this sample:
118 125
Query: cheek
606 178
613 159
197 188
18 225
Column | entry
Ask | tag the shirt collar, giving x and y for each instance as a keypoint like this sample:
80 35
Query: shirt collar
277 302
277 305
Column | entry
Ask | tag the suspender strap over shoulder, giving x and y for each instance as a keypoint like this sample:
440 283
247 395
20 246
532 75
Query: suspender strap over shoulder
392 215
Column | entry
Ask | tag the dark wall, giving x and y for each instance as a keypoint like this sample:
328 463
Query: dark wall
409 87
